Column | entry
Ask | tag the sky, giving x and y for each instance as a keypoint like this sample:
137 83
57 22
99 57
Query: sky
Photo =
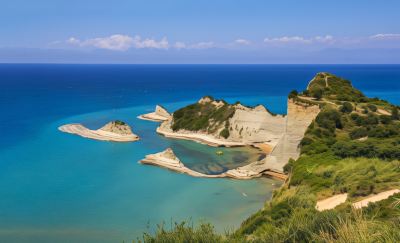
203 31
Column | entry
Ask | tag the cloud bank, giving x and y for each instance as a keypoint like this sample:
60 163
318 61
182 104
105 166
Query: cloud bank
120 42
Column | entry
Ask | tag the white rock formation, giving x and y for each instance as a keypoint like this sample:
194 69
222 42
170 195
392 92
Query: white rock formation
160 114
113 131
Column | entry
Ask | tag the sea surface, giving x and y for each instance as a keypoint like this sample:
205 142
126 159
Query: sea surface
57 187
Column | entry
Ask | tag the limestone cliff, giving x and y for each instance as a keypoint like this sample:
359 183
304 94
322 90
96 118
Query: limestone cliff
229 123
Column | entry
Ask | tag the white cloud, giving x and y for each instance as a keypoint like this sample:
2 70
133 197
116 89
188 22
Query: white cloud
199 45
242 42
73 40
385 36
180 45
287 39
120 42
324 39
150 43
300 39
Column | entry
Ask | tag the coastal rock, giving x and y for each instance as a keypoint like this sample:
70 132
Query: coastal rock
116 131
117 127
160 114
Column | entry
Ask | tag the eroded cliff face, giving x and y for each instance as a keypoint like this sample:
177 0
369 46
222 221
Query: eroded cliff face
299 117
255 125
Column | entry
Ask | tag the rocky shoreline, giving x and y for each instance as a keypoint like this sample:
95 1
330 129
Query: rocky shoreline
167 159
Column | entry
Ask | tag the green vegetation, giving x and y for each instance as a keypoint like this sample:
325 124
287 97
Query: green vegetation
351 147
293 94
120 123
332 87
203 116
347 107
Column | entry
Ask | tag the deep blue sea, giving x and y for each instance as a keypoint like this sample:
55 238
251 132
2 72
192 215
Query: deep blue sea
57 187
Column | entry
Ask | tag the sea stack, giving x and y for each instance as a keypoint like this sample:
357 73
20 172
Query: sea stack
159 115
116 131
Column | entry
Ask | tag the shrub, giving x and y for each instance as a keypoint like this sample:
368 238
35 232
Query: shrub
395 113
329 119
317 93
384 119
358 133
118 122
372 107
293 94
347 107
224 133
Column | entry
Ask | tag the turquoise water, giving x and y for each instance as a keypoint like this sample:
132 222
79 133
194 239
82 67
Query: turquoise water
57 187
91 191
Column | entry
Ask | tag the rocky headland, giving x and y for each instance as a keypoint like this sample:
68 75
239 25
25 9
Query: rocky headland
217 123
116 131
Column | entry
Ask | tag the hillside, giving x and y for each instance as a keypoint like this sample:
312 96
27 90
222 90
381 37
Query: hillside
353 147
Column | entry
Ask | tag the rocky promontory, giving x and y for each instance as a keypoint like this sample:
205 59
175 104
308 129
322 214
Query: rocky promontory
159 115
116 131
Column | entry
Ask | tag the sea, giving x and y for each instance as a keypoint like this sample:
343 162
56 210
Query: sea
58 187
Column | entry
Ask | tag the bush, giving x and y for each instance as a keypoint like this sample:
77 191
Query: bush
372 107
329 119
317 93
358 133
347 107
224 133
395 113
293 94
384 119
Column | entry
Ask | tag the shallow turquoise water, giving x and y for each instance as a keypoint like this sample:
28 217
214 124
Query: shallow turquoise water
90 190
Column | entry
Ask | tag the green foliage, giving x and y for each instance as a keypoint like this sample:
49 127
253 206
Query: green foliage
317 93
182 233
358 132
293 94
347 107
335 88
372 107
329 119
198 116
395 113
224 133
118 122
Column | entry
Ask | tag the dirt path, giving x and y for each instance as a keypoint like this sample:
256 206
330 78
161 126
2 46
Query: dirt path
331 202
375 198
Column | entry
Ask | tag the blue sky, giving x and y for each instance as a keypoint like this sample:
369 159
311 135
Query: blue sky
184 31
